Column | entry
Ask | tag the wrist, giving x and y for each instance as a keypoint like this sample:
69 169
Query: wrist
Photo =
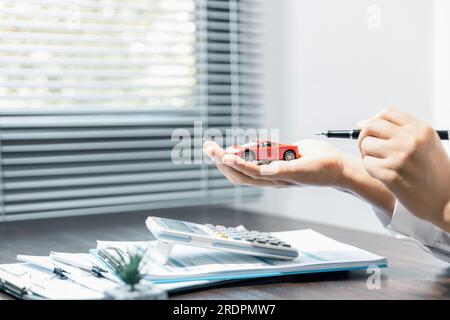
356 180
351 173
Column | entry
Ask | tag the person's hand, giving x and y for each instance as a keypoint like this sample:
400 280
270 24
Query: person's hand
408 157
319 164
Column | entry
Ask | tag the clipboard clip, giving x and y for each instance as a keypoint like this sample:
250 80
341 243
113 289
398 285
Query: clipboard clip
60 273
12 289
18 285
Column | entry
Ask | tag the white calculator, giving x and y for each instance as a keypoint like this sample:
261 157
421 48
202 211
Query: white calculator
237 240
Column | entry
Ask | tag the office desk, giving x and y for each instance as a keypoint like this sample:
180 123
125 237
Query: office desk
412 273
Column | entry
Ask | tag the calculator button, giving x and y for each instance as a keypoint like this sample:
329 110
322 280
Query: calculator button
236 238
249 239
209 225
261 241
221 228
274 243
287 245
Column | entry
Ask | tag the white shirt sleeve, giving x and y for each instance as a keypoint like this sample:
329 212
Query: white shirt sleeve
406 226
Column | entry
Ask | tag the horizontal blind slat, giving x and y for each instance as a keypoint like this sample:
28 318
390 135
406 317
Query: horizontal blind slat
180 199
110 190
77 169
87 202
96 202
87 157
68 146
102 179
95 121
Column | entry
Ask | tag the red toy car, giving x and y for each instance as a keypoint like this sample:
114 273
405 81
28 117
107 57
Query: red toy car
265 150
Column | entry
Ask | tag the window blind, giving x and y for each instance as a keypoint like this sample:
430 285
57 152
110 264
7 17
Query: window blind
91 92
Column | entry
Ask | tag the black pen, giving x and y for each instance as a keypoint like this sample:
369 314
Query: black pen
354 134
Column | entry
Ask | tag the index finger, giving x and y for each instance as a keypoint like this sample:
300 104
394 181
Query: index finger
378 128
396 116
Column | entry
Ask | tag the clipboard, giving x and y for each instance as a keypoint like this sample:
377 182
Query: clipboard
25 281
17 287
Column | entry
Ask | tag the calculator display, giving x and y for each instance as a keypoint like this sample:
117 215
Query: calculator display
180 226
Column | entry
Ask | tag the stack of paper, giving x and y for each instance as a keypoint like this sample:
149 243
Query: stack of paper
39 283
187 267
318 253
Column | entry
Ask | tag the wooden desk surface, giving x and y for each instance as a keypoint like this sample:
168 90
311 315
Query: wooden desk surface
412 273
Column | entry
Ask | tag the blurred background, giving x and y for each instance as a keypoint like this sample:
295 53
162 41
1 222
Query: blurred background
91 91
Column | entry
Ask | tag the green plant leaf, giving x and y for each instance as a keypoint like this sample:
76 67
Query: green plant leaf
129 272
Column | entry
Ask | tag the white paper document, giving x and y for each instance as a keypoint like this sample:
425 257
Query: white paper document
187 267
318 253
42 284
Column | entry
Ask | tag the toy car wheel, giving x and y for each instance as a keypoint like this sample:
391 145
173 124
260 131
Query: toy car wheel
289 155
248 156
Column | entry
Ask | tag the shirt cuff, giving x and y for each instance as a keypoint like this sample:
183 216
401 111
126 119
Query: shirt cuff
384 218
407 224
